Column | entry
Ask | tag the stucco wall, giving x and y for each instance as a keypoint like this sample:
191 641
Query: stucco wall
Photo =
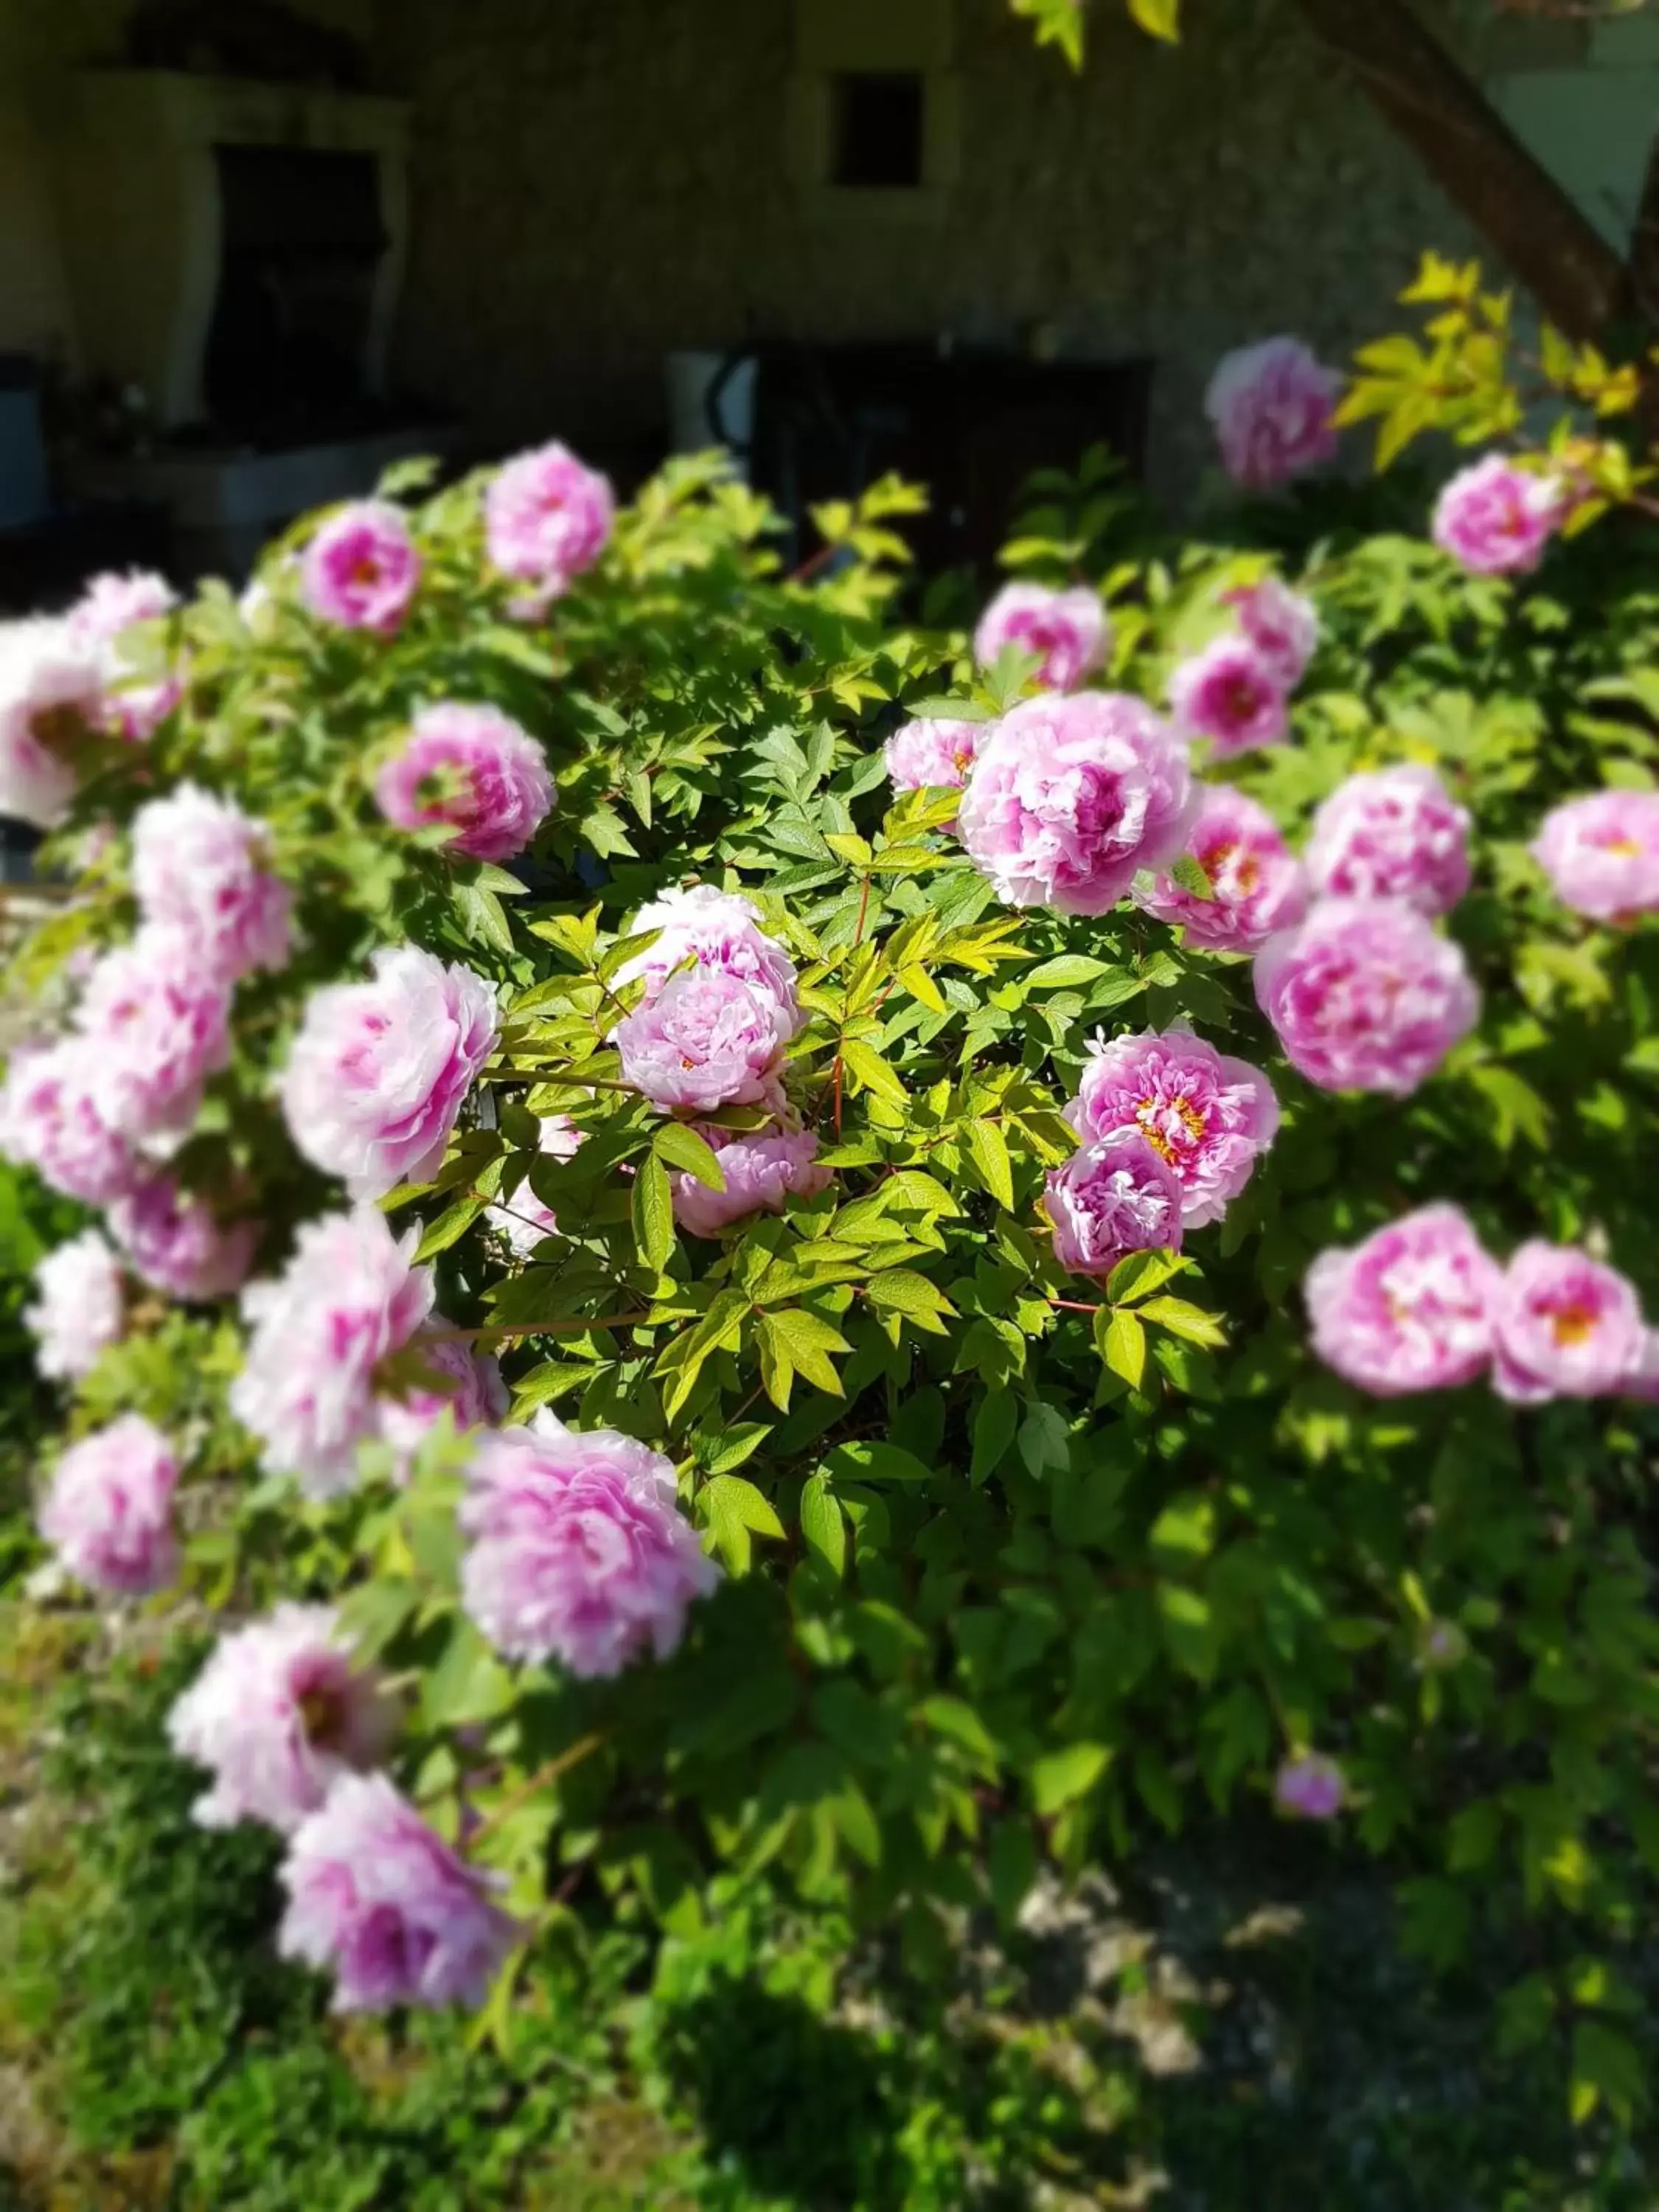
41 41
595 185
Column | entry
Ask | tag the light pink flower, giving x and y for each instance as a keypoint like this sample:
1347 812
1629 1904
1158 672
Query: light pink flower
178 1244
1395 834
1495 518
1208 1117
376 1076
474 769
112 604
1068 631
1281 624
522 1219
157 1023
79 1309
51 689
136 711
471 1392
1410 1309
1271 404
706 1040
1310 1787
377 1897
1232 694
762 1167
580 1552
199 868
348 1299
361 571
1364 996
703 928
107 1511
1114 1196
934 754
48 1122
1566 1327
279 1712
1258 885
1070 797
547 519
1601 854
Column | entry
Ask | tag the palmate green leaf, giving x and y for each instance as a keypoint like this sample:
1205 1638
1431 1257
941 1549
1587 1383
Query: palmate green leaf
731 1509
987 1148
1121 1341
653 1213
679 1145
822 1524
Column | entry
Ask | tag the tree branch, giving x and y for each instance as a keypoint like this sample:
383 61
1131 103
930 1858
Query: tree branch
1531 222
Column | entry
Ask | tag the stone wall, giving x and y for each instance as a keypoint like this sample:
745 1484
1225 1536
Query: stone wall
597 182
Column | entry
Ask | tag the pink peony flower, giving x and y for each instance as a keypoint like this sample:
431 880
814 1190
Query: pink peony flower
547 518
1114 1196
706 1040
51 689
1070 797
178 1244
704 928
1281 624
361 571
579 1552
112 604
1309 1788
1396 834
1495 518
377 1896
1271 406
474 769
1411 1308
48 1122
1601 854
471 1391
157 1025
934 755
107 1513
1364 996
136 711
762 1167
522 1219
280 1709
1229 693
1566 1327
348 1299
1068 631
1208 1117
1257 884
376 1076
79 1309
199 868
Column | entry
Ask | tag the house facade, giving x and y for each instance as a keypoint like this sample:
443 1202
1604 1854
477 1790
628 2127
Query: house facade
592 186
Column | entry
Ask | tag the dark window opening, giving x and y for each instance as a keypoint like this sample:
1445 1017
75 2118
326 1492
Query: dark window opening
877 135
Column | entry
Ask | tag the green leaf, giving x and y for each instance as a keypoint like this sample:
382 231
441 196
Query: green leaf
1188 1322
1060 1777
1012 1867
680 1146
1183 1533
987 1148
554 1378
1192 876
866 1460
1123 1342
484 917
468 1685
1606 2067
450 1225
653 1213
873 1074
1139 1273
1045 1441
994 1424
900 1289
822 1524
1161 17
1065 971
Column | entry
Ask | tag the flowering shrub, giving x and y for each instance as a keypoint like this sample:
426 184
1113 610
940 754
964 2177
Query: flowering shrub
1061 1314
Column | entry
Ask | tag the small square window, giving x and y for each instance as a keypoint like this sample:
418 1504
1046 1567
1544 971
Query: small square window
876 129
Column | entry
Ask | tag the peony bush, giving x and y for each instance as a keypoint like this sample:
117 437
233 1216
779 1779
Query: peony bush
743 1235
